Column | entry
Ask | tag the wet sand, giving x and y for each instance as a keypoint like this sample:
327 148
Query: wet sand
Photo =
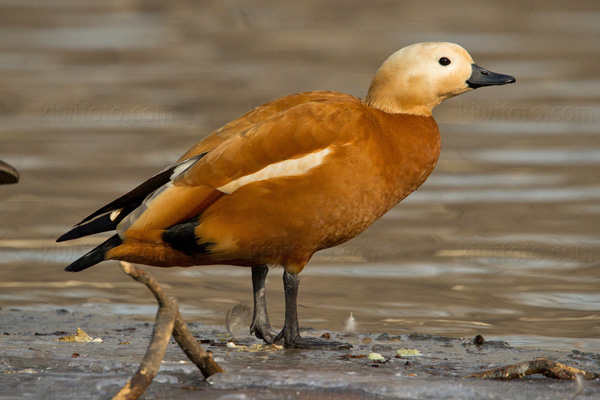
502 240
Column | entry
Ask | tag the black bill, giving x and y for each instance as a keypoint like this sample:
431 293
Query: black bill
482 77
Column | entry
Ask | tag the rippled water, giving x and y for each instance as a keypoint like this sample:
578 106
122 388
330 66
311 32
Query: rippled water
502 240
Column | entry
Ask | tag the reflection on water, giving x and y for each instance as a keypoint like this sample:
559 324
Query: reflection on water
502 240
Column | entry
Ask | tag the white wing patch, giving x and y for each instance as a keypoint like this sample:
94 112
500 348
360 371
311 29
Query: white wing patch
293 167
182 167
115 214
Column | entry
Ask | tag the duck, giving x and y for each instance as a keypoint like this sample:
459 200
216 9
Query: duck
296 175
8 174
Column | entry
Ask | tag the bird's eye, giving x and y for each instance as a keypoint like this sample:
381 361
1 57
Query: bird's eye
444 61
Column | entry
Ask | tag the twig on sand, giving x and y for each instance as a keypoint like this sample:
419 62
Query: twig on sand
168 321
543 366
181 332
165 319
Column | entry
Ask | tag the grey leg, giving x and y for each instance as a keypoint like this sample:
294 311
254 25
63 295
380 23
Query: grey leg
291 331
261 327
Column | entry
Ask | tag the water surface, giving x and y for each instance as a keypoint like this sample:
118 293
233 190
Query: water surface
502 240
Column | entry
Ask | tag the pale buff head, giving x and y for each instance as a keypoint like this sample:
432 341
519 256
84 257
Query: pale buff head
417 78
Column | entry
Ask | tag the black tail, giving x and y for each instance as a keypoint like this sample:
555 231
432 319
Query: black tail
95 256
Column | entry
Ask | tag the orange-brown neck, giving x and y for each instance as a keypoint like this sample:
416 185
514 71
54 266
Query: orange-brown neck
412 147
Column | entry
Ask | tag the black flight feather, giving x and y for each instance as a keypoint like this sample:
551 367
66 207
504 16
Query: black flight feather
100 220
102 223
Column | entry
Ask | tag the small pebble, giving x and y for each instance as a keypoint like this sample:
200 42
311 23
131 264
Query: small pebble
478 340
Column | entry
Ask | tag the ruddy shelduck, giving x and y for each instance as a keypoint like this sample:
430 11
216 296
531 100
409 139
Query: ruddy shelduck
294 176
8 174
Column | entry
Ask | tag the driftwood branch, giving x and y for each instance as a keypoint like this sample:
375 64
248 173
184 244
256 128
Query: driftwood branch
165 319
168 322
543 366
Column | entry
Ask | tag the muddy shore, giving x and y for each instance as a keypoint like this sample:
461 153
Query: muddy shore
35 366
